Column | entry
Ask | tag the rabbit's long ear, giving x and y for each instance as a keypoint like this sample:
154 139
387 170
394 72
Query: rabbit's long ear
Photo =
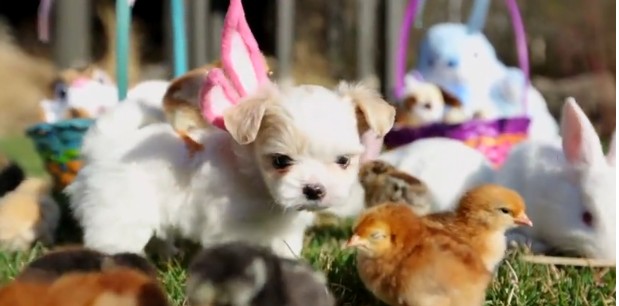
217 95
612 149
242 60
477 17
581 144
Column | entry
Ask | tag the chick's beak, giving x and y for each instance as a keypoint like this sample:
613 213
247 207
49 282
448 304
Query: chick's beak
523 219
354 241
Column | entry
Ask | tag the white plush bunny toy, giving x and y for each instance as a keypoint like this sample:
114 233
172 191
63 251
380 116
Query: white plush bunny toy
86 96
461 59
569 187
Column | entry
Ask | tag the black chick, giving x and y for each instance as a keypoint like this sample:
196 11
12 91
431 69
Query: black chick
239 274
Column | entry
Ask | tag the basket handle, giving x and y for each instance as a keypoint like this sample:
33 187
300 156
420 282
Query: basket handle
400 69
123 28
43 14
123 24
476 20
521 45
177 11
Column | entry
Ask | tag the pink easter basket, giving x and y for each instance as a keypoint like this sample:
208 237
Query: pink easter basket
494 138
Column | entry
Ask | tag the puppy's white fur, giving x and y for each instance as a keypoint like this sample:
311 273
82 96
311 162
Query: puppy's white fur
138 179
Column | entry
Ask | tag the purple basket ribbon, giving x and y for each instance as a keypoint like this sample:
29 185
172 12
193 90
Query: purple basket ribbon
465 131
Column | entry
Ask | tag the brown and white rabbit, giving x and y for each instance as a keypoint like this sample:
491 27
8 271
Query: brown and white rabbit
569 187
426 103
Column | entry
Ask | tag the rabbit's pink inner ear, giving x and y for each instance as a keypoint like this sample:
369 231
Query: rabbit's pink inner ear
581 145
241 57
216 97
612 149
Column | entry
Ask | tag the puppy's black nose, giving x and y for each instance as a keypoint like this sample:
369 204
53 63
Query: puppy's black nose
314 191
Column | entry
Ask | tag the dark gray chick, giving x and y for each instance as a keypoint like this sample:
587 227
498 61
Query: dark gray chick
239 274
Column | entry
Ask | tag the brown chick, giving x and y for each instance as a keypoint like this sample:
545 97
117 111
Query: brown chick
482 217
181 104
383 182
114 287
405 261
18 293
70 259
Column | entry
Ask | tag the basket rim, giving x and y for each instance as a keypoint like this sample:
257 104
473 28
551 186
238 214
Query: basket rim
76 122
401 135
523 119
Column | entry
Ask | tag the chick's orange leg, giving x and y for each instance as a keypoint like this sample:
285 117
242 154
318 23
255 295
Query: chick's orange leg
192 146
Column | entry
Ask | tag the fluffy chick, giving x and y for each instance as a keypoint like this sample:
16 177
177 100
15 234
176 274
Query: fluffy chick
61 261
482 217
383 182
303 284
114 287
27 214
240 274
18 293
181 104
11 175
403 260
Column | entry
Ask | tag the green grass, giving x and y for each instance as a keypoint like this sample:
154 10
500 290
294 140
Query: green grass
516 283
21 149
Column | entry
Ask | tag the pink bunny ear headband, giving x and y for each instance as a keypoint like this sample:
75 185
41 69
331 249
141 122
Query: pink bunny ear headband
243 68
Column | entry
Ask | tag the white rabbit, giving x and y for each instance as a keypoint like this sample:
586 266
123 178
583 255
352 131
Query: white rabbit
569 189
448 167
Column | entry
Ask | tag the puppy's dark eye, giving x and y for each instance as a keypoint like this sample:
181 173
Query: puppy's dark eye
505 210
281 161
343 161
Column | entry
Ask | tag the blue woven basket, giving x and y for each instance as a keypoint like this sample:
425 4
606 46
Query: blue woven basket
58 144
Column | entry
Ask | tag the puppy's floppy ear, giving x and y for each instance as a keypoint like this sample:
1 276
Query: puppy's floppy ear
243 120
450 99
372 111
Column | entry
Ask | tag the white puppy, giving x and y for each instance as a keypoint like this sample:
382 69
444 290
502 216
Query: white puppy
287 152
